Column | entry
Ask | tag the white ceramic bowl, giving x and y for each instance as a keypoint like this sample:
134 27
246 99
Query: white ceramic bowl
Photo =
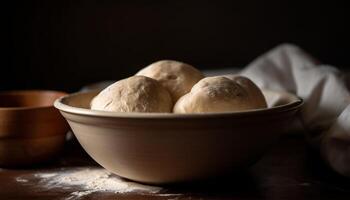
160 148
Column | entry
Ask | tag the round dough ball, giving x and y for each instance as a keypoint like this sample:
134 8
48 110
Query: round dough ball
177 77
219 94
134 94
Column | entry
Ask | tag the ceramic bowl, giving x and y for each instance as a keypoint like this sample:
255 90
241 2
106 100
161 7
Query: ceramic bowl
31 129
162 148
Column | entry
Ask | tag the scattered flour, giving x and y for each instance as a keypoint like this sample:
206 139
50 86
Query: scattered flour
47 175
89 181
22 180
80 194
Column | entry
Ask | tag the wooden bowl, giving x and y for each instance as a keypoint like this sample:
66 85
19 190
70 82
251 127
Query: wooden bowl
31 129
161 148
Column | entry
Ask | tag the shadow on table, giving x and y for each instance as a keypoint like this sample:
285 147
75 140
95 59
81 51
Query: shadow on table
71 155
322 173
238 185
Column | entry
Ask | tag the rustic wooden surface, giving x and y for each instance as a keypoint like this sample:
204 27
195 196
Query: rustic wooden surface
288 171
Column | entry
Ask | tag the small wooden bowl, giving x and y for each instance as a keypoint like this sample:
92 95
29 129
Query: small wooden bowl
161 148
31 129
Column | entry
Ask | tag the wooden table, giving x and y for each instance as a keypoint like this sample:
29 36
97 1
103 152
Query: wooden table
288 171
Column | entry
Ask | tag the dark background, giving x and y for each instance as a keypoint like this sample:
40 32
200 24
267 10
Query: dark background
62 45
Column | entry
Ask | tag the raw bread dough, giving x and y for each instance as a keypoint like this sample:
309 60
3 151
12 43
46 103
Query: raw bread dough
177 77
134 94
221 94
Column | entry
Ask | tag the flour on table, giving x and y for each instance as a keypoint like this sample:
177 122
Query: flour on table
88 181
46 175
22 180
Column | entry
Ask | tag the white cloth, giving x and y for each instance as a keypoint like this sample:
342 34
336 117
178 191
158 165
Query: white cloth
326 113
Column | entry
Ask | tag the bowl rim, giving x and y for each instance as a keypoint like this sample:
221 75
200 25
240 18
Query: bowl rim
19 92
138 115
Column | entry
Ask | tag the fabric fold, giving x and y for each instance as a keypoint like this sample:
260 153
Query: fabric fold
325 115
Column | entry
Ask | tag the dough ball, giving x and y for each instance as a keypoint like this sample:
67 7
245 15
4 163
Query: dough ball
134 94
220 94
177 77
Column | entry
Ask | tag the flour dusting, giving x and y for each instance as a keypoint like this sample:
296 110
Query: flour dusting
87 181
46 175
22 180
